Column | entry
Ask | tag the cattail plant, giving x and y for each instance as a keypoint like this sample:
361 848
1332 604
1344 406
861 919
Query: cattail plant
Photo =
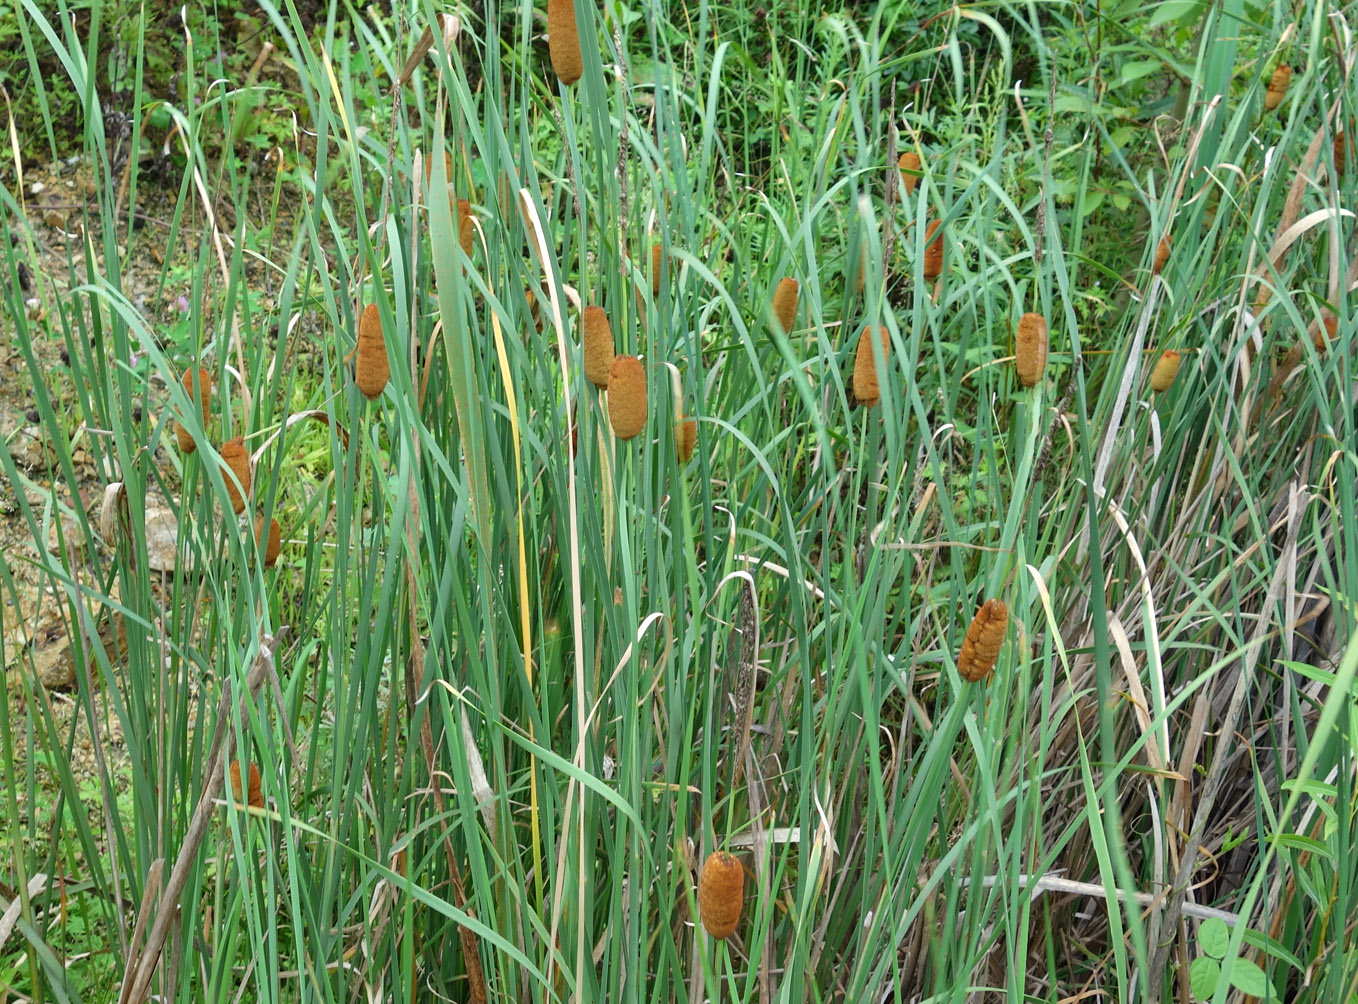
862 266
466 231
254 794
627 396
866 389
785 304
534 310
933 251
685 439
909 161
1030 349
1325 334
1166 369
563 41
721 894
597 336
372 370
1277 86
657 261
197 384
1341 152
1161 255
981 646
272 545
236 460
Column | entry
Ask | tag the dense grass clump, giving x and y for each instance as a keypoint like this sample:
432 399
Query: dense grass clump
572 600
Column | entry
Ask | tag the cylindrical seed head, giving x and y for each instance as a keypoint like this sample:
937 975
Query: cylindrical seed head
197 383
933 251
563 41
597 336
1030 349
657 262
372 370
236 460
866 388
255 791
465 228
721 894
985 637
785 304
1341 152
685 439
1325 334
1166 369
1161 255
909 161
1277 87
627 396
272 545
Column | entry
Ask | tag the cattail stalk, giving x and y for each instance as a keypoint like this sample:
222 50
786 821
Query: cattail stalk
909 161
1030 349
933 251
254 795
197 383
1166 369
563 41
685 439
1277 87
985 636
866 389
236 460
627 396
785 304
597 336
372 370
657 262
272 545
721 894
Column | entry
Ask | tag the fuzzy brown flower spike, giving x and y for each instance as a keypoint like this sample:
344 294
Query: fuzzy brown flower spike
985 636
627 396
1166 369
909 161
721 894
685 439
1277 86
785 304
1161 255
254 795
197 383
1030 349
272 545
563 41
372 370
657 262
866 389
933 252
597 336
236 460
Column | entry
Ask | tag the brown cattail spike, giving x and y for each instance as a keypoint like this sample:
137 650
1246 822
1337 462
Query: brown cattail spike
866 388
1277 86
785 304
981 646
685 439
908 162
254 795
197 383
372 370
236 460
563 41
1030 349
1166 369
933 252
1161 255
598 344
721 893
627 396
466 230
271 545
1341 152
1325 334
657 261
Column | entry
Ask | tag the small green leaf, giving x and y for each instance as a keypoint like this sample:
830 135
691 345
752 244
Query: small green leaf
1091 202
1202 977
1250 979
1136 69
1183 11
1213 937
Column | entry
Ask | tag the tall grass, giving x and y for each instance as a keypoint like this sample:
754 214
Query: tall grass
506 695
